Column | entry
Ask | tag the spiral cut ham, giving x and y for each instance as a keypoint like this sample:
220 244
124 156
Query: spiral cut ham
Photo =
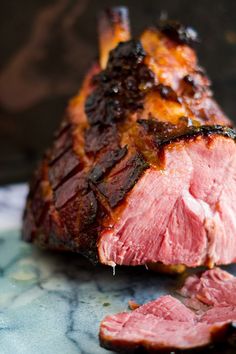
167 325
143 167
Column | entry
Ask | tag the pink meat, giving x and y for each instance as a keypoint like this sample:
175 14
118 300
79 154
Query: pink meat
184 213
213 287
167 308
219 314
167 324
149 326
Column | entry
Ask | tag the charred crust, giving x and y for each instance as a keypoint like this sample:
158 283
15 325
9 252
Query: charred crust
189 79
40 195
193 132
195 86
118 91
99 136
165 133
191 88
78 184
116 186
80 215
105 163
154 127
63 168
42 223
121 87
80 212
178 32
61 144
167 93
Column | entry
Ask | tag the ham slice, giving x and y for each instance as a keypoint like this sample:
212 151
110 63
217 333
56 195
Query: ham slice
166 324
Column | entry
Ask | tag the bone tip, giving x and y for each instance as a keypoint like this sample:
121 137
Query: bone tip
114 16
113 27
117 14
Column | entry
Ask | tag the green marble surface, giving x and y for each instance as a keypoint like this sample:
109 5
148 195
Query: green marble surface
53 303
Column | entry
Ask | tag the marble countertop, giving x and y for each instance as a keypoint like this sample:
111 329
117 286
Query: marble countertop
12 199
53 302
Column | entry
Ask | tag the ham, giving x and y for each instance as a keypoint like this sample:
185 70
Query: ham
166 324
142 169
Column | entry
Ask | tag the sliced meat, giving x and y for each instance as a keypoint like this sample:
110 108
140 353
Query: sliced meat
142 169
166 325
219 314
213 287
155 329
145 328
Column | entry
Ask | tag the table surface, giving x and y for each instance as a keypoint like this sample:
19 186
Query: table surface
53 302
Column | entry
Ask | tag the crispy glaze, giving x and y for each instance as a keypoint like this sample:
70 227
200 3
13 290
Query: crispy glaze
149 93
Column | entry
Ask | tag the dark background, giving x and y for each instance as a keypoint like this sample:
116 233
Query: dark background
47 46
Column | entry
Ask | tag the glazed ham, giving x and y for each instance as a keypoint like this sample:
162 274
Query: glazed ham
166 325
143 167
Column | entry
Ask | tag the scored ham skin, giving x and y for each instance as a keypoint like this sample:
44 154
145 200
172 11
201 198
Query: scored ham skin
166 324
142 168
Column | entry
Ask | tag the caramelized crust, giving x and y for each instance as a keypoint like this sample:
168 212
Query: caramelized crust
149 93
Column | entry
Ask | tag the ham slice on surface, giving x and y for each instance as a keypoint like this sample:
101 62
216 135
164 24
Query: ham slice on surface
143 167
213 287
166 324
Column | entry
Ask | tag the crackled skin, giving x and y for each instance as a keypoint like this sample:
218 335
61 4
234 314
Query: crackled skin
148 97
